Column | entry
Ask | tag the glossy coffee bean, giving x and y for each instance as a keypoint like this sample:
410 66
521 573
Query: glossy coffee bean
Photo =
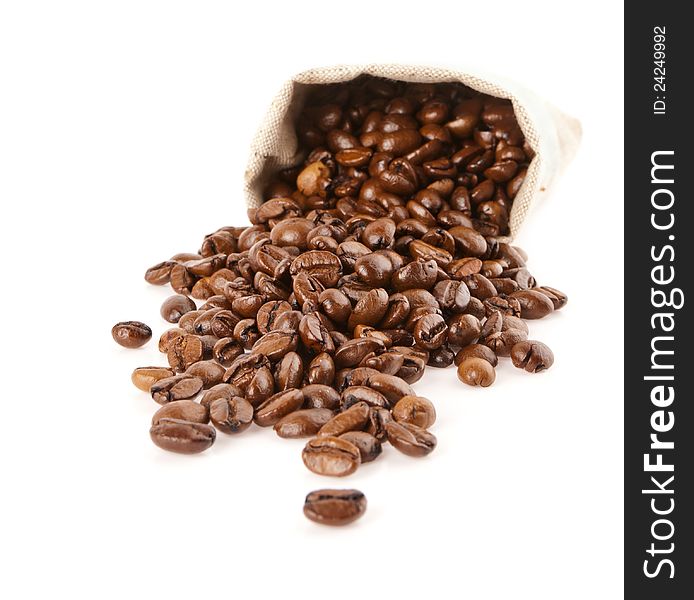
209 371
174 307
559 299
331 456
353 418
131 334
178 387
184 437
303 423
415 410
476 371
410 439
231 415
226 350
184 410
144 377
532 356
160 273
334 507
278 406
476 351
221 390
369 446
321 396
184 351
534 305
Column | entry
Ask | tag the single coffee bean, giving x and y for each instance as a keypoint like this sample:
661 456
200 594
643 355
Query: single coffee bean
167 338
289 372
415 410
221 390
303 423
391 386
226 350
353 418
174 307
431 331
334 507
369 447
476 351
184 351
231 415
534 305
278 406
502 342
178 387
331 456
183 410
559 299
184 437
209 371
144 377
321 396
476 371
410 439
321 370
160 273
532 356
463 330
131 334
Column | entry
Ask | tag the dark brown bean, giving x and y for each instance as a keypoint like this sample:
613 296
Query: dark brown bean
131 334
183 437
334 507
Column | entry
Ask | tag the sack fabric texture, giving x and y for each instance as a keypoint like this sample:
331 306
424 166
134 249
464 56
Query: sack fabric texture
553 135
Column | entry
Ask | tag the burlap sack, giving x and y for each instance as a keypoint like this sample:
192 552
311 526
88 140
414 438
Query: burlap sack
553 135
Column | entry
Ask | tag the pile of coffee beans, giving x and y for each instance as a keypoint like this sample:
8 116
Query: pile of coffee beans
378 255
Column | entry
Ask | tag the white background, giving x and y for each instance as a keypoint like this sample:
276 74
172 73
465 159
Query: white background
124 129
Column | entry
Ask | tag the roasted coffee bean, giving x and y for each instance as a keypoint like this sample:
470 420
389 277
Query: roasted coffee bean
335 305
370 309
187 321
476 371
278 406
463 330
334 507
321 370
324 266
511 322
476 351
532 356
184 351
246 333
507 306
331 456
226 350
321 396
244 368
178 387
387 362
174 307
502 342
351 353
231 415
168 337
261 387
451 295
559 299
221 390
441 357
209 371
431 331
533 305
314 335
289 372
131 334
415 275
415 410
160 273
144 377
184 410
203 324
268 314
391 386
359 393
374 269
378 419
410 439
182 280
369 447
184 437
353 418
303 423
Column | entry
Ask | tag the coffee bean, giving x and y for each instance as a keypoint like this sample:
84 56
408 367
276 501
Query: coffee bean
331 456
533 305
289 372
131 334
167 338
226 350
410 439
303 423
184 351
174 307
463 330
321 396
431 331
415 410
476 351
334 507
221 390
532 356
184 437
369 447
178 387
392 387
144 377
231 415
476 371
559 299
160 273
278 406
183 410
353 418
209 371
